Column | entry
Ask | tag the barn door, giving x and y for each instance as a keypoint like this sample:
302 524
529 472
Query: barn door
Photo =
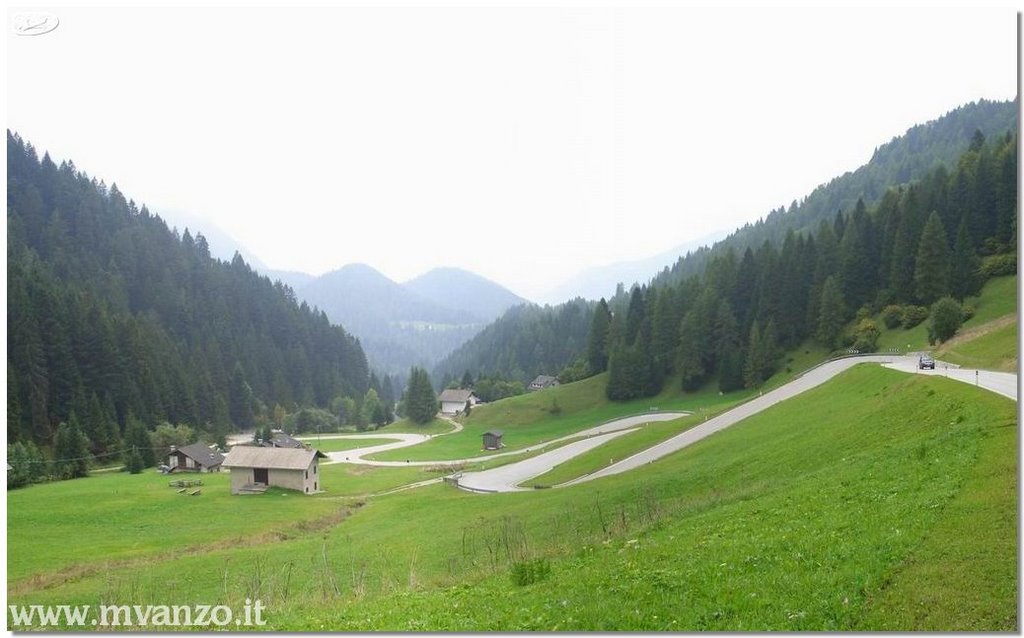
260 475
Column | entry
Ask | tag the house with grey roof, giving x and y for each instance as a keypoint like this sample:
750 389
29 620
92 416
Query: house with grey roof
454 401
253 469
197 457
541 382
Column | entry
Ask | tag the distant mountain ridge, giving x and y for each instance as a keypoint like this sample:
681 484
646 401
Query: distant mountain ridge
404 324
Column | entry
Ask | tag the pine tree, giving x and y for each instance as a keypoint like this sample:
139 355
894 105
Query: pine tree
71 450
755 359
421 402
831 314
137 436
597 338
963 281
133 463
931 271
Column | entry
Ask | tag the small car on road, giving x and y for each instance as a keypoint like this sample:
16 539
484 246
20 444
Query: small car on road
925 362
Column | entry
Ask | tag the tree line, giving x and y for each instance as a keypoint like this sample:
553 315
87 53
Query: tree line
115 319
918 249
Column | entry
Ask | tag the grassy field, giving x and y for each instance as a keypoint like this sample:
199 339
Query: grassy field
532 418
615 450
998 299
990 346
340 445
841 509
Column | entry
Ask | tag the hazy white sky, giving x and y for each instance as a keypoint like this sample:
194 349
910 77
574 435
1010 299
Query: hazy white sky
521 143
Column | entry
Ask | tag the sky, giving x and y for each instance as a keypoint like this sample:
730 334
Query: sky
522 143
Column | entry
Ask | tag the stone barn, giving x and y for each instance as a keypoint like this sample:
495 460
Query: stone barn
254 469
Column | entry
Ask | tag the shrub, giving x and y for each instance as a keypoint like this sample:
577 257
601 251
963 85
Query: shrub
998 265
913 315
892 316
947 317
866 336
969 311
528 572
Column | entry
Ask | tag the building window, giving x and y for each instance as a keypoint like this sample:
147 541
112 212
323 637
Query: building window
307 473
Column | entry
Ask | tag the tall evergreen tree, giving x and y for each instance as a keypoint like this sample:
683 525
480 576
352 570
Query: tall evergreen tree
931 270
597 339
964 266
831 314
421 401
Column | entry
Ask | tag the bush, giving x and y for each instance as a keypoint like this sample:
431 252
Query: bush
947 317
866 336
913 315
969 311
999 265
892 316
530 571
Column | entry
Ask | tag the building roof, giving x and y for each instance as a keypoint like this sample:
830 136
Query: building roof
283 440
543 380
276 458
497 433
202 454
455 396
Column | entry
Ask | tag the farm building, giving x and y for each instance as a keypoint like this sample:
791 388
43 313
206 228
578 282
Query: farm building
283 440
541 382
454 401
492 440
197 457
256 468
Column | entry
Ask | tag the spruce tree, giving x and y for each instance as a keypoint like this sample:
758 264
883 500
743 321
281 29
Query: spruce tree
421 402
931 270
597 338
831 314
963 276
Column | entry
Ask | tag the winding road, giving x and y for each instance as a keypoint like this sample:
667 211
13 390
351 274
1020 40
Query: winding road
508 478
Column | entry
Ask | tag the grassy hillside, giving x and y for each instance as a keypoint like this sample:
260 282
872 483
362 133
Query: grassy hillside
819 513
997 300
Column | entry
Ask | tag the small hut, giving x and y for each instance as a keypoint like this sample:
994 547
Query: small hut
197 457
492 440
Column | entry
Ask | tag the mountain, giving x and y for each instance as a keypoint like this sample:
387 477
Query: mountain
902 160
292 279
222 245
925 158
363 298
114 319
602 281
415 323
462 290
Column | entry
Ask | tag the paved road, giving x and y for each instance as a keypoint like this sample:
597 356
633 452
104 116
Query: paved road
357 455
1002 383
507 478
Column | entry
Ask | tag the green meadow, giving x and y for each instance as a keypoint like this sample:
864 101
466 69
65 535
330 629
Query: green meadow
876 501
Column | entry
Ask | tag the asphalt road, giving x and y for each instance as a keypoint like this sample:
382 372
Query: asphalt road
507 478
999 382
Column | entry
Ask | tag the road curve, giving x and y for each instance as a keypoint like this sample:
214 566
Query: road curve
357 455
999 382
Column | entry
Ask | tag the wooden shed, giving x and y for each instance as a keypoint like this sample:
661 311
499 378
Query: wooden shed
197 457
492 440
254 468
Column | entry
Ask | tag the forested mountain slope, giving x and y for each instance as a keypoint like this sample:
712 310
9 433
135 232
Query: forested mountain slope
903 159
931 157
113 316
